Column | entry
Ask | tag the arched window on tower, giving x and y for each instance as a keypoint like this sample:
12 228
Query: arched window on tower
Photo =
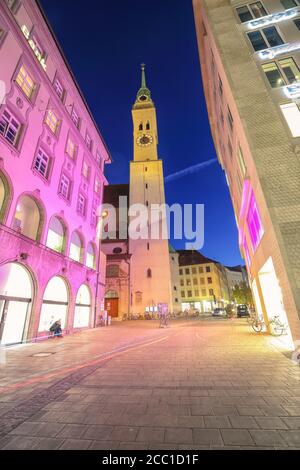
148 126
149 273
141 127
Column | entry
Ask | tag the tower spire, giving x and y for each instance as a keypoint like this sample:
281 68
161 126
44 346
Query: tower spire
144 95
143 76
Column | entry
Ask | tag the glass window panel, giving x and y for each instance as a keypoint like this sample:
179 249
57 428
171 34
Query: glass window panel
273 36
290 69
258 9
288 4
244 14
273 75
257 41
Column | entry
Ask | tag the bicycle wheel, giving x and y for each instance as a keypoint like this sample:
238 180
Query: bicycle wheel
257 326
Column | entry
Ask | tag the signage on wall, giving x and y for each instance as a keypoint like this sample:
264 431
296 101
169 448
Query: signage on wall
278 50
292 91
34 47
270 19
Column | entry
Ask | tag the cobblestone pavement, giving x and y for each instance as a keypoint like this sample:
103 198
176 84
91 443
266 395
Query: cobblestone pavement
199 384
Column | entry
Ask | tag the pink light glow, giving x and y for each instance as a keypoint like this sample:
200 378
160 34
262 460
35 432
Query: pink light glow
254 223
246 190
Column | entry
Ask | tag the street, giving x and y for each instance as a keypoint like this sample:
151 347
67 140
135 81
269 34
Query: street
198 384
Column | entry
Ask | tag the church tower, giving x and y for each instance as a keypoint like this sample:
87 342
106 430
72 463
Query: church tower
150 265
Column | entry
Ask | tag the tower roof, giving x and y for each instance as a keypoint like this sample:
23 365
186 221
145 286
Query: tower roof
143 97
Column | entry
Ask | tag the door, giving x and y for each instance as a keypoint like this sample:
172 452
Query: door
112 307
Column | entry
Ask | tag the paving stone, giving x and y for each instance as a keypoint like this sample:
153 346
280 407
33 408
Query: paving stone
241 422
207 437
238 437
267 438
292 422
98 433
291 438
270 423
123 433
75 444
71 431
178 436
217 422
151 434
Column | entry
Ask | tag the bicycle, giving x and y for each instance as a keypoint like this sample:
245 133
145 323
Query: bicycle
275 323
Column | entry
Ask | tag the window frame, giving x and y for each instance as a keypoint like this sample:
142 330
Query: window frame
59 81
52 110
81 204
261 31
16 143
248 5
68 197
46 176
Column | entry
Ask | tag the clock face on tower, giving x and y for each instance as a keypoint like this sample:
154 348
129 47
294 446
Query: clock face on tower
144 140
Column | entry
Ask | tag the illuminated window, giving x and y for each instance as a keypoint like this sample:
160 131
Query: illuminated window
254 223
75 117
59 89
265 38
76 247
90 256
25 82
288 4
71 149
42 163
10 127
88 141
273 75
52 121
250 12
188 282
85 170
65 187
56 234
292 116
290 70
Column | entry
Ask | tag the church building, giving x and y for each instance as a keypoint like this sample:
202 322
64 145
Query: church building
138 276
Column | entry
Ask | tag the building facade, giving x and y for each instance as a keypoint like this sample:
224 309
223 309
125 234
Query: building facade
175 280
52 159
203 282
250 60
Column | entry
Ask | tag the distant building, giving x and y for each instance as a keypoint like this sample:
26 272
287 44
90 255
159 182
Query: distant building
235 276
52 159
203 282
250 63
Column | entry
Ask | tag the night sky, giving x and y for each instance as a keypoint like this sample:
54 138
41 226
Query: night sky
105 41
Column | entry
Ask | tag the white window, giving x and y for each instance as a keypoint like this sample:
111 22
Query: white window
90 256
65 186
81 204
52 121
42 163
59 89
75 117
10 127
265 38
71 149
25 82
292 116
88 141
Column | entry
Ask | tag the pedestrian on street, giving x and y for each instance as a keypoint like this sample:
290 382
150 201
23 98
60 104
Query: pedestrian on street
55 329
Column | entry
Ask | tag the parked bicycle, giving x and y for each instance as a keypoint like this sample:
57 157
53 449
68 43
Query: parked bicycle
278 328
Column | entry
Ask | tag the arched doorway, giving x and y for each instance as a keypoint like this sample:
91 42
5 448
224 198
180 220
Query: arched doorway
112 303
82 307
55 304
15 302
27 218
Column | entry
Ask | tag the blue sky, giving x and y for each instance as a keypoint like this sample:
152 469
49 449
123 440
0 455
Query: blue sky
105 41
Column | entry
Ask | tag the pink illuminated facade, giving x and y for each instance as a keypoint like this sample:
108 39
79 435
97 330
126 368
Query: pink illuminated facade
52 159
250 63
